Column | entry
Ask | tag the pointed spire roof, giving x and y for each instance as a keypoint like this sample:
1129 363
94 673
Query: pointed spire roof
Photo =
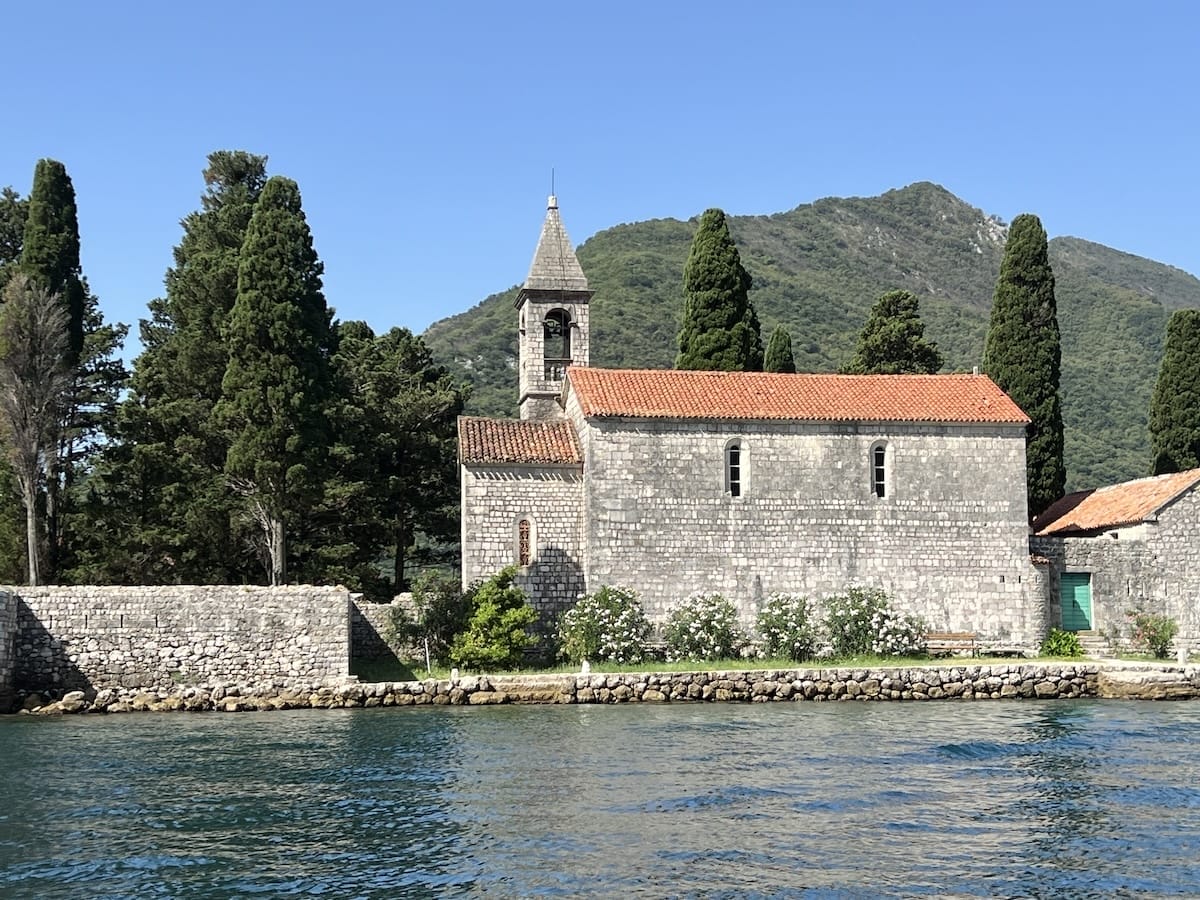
554 266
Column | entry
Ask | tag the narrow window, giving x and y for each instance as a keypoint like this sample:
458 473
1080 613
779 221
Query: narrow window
879 470
733 469
524 548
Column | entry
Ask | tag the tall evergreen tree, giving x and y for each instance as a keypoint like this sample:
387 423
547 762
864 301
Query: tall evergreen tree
892 342
276 389
50 251
34 376
13 212
720 329
391 481
779 352
50 259
1024 357
1175 406
165 510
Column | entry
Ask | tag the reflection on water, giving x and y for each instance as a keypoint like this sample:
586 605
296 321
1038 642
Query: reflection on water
1079 799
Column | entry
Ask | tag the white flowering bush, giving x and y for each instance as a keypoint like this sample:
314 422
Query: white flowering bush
704 626
897 634
788 627
606 625
862 621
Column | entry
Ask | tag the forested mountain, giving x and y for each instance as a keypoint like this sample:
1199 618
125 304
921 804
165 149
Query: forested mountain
818 268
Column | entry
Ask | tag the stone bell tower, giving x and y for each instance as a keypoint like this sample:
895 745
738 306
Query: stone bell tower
552 319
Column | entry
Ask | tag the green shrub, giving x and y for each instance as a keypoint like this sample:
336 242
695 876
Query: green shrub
495 636
440 613
607 625
704 626
787 627
1061 643
1151 632
851 620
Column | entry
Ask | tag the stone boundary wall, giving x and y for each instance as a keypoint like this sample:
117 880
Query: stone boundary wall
108 638
8 633
370 624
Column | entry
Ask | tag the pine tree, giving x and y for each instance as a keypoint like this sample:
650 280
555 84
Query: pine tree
1175 406
892 342
391 481
779 352
276 389
162 504
720 329
1023 354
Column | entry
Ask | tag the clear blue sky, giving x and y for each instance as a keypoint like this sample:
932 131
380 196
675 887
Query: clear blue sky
423 135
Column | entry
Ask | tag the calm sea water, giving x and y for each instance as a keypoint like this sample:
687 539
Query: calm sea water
1010 799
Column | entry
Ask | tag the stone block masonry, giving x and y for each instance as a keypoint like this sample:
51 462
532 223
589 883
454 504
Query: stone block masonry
93 639
8 633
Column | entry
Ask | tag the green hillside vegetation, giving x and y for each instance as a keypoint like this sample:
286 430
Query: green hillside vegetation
817 270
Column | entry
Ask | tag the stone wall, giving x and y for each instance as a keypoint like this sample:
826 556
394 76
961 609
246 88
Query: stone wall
495 499
949 540
883 684
8 633
370 624
1154 566
95 638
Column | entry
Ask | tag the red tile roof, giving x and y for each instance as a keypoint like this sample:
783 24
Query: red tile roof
1111 507
512 441
674 394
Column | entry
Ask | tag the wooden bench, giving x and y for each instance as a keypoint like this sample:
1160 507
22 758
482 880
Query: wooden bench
947 642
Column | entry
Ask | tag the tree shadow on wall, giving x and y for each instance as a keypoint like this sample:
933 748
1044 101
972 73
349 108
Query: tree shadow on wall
42 659
553 582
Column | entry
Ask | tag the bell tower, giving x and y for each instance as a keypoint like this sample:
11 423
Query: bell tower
552 320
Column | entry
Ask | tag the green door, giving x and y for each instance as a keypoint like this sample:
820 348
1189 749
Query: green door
1076 601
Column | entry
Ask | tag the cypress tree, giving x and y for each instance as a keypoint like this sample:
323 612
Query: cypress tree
1023 354
1175 406
50 251
779 352
892 342
720 329
276 388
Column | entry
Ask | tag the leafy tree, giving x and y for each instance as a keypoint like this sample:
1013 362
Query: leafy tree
161 496
779 352
720 328
1175 406
13 212
892 342
34 376
1023 354
276 387
440 613
496 636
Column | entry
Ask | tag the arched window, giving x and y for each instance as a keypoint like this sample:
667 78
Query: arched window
556 333
879 469
524 542
735 468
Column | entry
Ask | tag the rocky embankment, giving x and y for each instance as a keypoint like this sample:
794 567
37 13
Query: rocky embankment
947 682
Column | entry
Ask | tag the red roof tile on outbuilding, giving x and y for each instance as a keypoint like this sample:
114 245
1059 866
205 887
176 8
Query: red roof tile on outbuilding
1128 503
514 441
671 394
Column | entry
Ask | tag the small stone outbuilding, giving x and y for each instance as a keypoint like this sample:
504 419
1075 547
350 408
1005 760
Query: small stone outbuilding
1134 545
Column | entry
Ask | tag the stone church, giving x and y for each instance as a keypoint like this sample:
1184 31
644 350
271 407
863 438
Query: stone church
744 484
